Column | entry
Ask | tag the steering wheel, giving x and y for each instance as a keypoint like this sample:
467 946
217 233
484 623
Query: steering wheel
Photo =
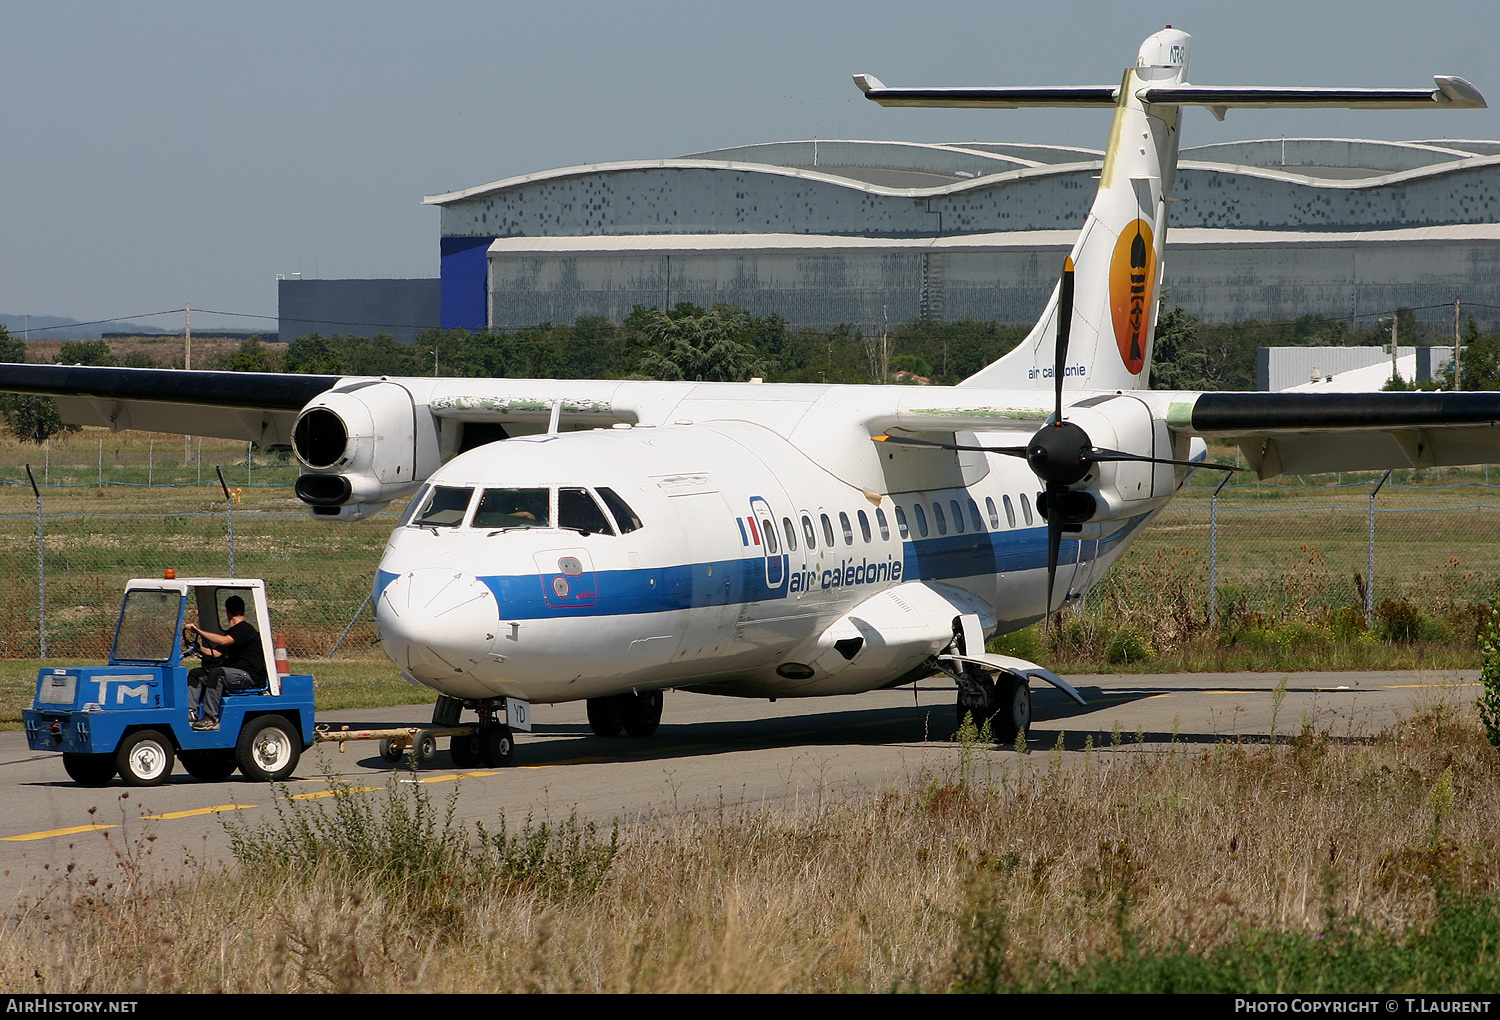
190 644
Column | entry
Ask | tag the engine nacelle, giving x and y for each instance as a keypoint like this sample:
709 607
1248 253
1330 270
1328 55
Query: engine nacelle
1117 490
364 444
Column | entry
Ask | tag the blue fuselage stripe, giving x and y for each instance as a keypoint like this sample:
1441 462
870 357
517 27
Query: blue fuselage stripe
731 582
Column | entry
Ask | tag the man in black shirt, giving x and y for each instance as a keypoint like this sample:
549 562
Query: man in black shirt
232 660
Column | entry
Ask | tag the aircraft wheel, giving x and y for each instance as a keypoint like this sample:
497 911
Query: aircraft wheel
268 749
641 713
464 750
605 716
982 703
1014 715
144 758
497 746
89 769
208 766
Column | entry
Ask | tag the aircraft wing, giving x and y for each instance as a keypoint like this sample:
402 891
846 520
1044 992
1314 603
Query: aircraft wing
1308 433
259 407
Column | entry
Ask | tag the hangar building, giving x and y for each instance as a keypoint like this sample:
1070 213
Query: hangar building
823 232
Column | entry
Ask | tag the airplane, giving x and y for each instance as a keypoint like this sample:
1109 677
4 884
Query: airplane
608 540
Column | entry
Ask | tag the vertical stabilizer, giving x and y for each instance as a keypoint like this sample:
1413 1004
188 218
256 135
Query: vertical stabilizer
1118 255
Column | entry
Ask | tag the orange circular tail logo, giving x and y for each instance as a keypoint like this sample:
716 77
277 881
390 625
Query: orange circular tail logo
1132 280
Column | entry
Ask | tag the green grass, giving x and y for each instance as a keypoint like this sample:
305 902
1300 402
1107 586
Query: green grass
1457 952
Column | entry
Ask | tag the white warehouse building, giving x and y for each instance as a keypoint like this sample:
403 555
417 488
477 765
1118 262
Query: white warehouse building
823 232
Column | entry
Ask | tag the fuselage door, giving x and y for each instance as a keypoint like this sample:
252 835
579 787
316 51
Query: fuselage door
762 527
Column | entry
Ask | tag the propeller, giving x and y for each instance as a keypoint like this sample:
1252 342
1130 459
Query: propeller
1061 453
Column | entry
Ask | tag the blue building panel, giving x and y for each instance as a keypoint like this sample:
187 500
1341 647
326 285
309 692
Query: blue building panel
465 269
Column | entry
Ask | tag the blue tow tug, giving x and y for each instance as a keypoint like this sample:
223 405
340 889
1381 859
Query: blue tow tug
131 717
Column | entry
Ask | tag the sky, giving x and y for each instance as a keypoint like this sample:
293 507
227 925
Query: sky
163 153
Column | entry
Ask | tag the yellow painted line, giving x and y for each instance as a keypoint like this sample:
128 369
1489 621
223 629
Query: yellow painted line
200 811
49 833
1400 687
335 793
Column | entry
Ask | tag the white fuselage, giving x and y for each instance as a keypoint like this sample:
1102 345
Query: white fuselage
749 557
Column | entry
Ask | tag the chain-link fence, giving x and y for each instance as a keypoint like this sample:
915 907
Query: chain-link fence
116 506
1317 551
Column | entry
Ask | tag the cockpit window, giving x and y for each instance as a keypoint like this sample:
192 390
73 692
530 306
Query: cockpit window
624 516
411 508
444 508
577 511
514 508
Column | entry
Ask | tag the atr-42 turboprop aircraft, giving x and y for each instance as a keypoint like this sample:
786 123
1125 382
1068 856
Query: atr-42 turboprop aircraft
607 540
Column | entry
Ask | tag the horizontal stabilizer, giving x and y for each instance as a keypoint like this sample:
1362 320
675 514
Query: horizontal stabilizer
999 97
1452 92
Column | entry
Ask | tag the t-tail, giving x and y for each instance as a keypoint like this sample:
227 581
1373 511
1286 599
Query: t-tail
1118 256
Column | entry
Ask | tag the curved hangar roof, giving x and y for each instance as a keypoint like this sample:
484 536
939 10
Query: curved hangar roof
909 189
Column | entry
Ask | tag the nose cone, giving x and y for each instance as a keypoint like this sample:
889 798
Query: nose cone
437 624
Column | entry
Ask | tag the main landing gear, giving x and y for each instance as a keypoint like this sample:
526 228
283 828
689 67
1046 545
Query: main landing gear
1003 702
638 714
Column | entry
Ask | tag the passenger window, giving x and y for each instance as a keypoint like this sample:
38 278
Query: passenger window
827 530
768 529
624 516
937 516
958 516
885 525
864 526
921 519
848 528
1026 509
791 534
901 523
808 533
445 507
1010 512
974 516
577 511
989 506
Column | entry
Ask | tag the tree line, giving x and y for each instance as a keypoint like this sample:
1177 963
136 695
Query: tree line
725 343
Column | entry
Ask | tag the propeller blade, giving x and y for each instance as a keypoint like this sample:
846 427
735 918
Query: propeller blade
1064 327
1054 541
1095 455
1100 456
1009 451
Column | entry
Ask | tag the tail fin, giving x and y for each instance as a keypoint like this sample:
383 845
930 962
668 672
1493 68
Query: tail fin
1118 254
1117 258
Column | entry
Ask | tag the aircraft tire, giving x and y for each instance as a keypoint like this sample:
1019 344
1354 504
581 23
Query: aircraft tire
464 750
497 746
605 716
641 713
1013 694
89 769
981 704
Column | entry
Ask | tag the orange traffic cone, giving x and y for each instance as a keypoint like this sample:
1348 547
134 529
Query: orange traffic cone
283 668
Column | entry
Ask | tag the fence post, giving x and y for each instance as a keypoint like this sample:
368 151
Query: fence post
41 566
352 621
1213 554
228 516
1370 559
